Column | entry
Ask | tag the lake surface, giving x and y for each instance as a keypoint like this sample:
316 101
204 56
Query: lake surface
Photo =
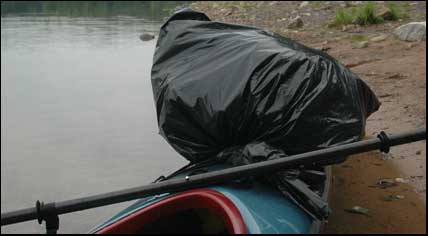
77 110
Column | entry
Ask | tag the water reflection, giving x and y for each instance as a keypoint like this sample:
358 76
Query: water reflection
152 10
78 115
39 31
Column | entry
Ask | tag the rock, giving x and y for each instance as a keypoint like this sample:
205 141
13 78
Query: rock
393 197
352 28
415 31
358 210
147 36
379 38
327 7
323 48
347 27
362 44
385 13
234 10
397 76
400 180
410 46
304 4
358 63
295 23
386 95
349 4
386 183
418 152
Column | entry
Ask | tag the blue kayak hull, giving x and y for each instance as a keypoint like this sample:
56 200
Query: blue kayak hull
264 210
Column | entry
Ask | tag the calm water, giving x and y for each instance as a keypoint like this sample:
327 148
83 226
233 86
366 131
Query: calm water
77 112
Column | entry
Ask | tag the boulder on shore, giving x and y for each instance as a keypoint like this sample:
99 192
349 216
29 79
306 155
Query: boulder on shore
415 31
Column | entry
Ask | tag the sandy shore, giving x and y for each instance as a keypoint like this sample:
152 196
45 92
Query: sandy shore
396 71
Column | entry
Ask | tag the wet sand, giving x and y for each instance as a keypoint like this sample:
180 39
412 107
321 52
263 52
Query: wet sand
353 184
397 76
394 69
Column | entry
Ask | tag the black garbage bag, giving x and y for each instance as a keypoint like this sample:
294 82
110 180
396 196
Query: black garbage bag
240 95
219 85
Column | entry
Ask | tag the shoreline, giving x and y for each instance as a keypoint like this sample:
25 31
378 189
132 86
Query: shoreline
394 69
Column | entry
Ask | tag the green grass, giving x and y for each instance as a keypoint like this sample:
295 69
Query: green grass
397 11
342 18
367 15
316 3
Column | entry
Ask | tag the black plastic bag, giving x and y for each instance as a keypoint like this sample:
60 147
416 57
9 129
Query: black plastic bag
219 85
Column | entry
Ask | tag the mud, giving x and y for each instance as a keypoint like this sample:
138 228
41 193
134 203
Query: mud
354 184
398 78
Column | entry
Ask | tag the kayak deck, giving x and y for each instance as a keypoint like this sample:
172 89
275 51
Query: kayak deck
195 211
217 209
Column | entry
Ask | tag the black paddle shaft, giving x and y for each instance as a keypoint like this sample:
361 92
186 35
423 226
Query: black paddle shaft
52 210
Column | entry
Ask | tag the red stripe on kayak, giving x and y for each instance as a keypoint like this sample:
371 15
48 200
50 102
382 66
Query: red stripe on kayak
193 199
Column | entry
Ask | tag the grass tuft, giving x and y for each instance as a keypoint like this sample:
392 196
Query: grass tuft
342 18
367 15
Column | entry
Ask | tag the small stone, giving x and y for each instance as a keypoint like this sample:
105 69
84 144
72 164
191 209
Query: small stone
358 210
410 46
304 4
379 38
147 36
386 183
325 49
400 180
327 7
393 197
295 23
347 27
362 44
349 4
385 13
235 9
418 152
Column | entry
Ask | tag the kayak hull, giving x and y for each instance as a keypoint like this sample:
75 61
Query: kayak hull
257 209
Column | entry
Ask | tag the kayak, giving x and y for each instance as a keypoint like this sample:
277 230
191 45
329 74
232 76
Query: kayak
228 208
244 202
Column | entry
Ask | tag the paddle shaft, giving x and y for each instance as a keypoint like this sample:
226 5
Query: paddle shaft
211 178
